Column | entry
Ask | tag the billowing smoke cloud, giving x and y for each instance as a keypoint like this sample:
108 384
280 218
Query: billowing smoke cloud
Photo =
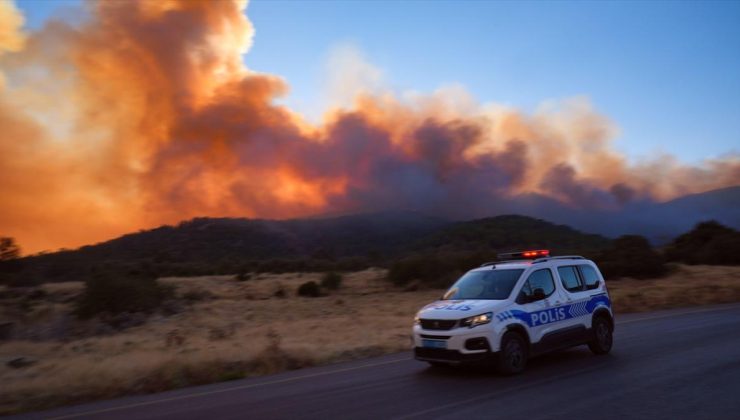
11 21
143 113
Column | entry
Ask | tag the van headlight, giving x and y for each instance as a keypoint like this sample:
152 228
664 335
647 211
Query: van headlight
474 321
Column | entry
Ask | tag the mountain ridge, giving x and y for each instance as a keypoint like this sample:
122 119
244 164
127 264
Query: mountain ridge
206 245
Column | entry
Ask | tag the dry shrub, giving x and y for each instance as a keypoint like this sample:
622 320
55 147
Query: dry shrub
221 333
243 276
273 339
331 281
309 289
117 294
275 359
280 292
174 338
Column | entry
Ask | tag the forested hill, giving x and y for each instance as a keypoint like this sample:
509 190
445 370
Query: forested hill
228 245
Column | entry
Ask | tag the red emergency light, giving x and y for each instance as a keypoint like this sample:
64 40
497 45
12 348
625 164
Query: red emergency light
537 253
525 255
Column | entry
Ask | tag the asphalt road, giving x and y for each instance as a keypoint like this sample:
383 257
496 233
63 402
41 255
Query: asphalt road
671 364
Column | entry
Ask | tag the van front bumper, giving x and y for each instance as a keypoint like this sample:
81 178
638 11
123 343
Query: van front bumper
452 356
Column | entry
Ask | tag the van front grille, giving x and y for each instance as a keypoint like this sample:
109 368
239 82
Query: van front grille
438 324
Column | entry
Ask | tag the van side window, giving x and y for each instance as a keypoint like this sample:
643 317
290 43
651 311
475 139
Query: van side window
589 275
569 277
540 279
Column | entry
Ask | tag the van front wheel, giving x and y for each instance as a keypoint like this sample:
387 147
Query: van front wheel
512 358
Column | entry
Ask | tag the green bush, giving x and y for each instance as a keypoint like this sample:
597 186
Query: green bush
708 243
331 281
117 294
309 289
631 256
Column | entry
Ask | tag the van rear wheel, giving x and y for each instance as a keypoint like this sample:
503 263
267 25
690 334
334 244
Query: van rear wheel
602 341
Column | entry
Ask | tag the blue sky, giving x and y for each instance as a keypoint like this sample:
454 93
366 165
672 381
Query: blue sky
667 73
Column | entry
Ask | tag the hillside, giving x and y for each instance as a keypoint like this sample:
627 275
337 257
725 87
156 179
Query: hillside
223 245
226 238
511 232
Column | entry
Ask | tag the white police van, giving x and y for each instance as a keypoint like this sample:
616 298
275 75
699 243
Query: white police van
510 310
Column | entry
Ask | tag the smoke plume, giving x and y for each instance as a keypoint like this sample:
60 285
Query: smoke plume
144 113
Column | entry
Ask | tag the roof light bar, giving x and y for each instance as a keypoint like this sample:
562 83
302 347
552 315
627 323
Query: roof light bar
525 255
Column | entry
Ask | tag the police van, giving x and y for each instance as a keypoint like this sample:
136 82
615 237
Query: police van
508 311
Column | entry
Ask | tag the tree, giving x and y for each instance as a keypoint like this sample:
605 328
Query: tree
309 289
631 256
708 243
9 250
9 259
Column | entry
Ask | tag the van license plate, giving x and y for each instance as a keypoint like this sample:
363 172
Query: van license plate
434 344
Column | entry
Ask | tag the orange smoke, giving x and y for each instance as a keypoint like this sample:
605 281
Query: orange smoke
146 114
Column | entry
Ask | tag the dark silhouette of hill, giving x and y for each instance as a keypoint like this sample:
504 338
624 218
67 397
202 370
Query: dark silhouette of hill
223 238
502 233
226 245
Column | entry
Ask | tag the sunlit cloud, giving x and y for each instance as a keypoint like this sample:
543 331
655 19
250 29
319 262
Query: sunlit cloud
145 114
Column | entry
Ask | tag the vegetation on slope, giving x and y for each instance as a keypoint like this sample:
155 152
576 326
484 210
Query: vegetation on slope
227 246
708 243
415 249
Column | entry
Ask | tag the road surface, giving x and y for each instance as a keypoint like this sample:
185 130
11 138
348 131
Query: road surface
671 364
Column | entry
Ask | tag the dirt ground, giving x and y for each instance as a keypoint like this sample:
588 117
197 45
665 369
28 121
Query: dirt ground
220 329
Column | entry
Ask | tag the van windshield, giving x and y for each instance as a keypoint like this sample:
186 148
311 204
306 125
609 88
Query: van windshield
488 284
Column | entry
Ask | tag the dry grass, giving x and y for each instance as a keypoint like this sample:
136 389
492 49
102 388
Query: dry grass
229 329
685 286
